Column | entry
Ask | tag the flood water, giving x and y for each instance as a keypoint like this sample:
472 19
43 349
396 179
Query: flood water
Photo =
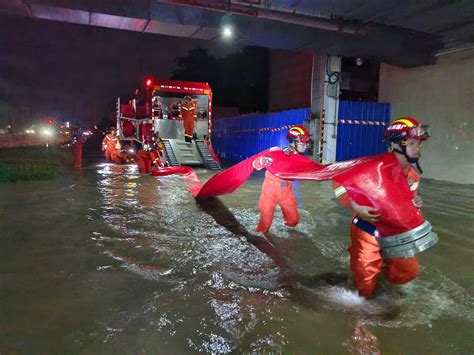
107 261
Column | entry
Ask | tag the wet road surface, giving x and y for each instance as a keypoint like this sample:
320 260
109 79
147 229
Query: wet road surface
107 261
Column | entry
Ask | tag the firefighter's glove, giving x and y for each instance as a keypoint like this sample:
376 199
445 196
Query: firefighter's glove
266 161
262 162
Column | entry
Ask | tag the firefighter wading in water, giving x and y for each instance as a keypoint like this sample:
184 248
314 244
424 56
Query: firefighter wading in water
146 158
404 136
78 142
276 191
188 114
110 143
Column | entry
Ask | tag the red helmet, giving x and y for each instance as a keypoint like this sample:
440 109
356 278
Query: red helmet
406 127
298 132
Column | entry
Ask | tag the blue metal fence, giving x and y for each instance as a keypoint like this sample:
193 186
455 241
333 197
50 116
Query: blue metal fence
237 138
360 128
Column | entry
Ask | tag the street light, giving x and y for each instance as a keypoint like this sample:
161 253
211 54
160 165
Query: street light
227 29
47 132
227 32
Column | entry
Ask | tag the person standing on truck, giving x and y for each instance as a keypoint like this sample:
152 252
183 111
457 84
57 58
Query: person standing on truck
188 114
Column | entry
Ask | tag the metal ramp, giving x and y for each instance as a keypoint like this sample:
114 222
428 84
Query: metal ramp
207 158
182 153
170 154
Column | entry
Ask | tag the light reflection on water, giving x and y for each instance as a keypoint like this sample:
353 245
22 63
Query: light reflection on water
140 267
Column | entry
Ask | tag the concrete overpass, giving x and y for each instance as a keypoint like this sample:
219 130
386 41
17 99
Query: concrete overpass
404 33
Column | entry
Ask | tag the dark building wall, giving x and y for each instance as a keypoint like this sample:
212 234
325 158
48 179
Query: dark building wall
290 80
441 95
359 82
224 111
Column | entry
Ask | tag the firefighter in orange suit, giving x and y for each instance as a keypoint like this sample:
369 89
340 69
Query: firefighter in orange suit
122 155
146 159
116 155
159 158
109 143
143 160
79 142
188 113
276 191
404 136
155 157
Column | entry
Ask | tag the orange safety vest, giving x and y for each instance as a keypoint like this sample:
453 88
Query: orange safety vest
110 141
188 111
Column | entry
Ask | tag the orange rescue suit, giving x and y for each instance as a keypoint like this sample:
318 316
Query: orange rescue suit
145 161
276 191
78 152
188 113
109 145
155 159
118 158
366 262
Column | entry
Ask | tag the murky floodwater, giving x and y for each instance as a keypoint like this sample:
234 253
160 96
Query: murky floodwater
106 261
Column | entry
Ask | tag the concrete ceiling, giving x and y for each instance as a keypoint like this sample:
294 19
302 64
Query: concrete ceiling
406 33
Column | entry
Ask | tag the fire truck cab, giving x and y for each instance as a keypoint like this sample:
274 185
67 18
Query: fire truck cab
153 117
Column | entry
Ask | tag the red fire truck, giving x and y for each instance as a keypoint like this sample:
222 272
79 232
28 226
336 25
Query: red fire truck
153 117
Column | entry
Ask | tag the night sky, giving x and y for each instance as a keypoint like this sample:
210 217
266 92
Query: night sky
75 73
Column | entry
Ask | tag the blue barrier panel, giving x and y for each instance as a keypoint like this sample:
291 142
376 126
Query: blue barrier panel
360 129
237 138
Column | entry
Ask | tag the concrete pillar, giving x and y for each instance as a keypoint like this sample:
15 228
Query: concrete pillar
329 115
300 80
317 99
